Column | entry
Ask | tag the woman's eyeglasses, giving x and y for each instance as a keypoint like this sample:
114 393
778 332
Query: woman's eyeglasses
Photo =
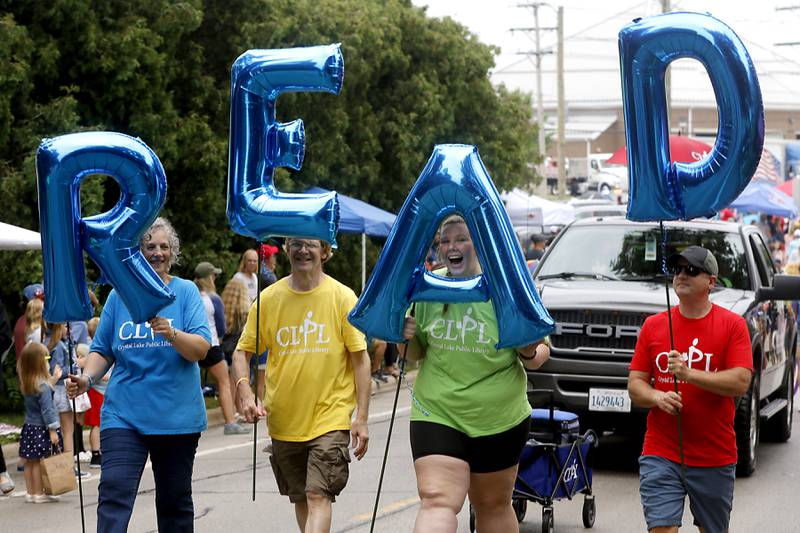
690 270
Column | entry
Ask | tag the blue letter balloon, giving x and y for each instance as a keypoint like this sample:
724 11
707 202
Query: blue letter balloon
453 181
112 238
259 144
660 189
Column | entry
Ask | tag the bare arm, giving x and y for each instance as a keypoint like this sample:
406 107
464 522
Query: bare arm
190 346
96 366
359 431
643 394
534 355
245 399
729 382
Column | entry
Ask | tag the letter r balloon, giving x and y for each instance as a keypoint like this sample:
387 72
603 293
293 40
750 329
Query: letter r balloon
660 189
259 144
112 238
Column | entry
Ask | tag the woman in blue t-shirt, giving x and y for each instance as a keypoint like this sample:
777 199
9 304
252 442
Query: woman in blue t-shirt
153 404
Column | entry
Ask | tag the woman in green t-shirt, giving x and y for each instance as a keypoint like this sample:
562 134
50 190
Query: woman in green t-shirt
470 416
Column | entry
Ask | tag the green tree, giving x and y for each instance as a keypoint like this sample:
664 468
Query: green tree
160 70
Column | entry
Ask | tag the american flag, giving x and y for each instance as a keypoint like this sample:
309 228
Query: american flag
768 168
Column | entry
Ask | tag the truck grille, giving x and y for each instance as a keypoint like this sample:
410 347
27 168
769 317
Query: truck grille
609 335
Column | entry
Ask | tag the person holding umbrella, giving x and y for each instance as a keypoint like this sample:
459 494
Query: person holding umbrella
713 364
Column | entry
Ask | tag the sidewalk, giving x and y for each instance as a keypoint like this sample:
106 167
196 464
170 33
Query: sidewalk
215 419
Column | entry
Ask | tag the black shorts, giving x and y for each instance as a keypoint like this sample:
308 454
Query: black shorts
213 356
490 453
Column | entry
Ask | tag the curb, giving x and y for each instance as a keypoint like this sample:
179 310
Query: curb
215 418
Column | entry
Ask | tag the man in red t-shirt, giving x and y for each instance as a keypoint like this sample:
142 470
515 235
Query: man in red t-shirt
713 363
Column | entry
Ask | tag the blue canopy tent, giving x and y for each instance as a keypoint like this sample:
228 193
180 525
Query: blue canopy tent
356 216
763 197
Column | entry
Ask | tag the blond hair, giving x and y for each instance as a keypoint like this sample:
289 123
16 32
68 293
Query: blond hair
33 368
242 259
206 284
33 315
237 305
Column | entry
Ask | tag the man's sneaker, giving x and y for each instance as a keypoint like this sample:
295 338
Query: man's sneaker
6 483
96 461
379 377
83 474
236 429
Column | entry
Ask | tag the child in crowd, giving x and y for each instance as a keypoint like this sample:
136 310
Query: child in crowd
55 340
33 320
91 418
40 432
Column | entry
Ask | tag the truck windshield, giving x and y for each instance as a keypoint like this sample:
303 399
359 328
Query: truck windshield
634 253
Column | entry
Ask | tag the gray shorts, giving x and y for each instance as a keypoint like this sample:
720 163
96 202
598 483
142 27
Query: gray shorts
60 400
710 491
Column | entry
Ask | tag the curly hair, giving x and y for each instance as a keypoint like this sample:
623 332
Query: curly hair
162 224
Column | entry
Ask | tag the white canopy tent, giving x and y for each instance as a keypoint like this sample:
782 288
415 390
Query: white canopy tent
16 238
522 207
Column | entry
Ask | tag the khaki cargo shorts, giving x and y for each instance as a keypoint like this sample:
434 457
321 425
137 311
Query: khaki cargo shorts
320 465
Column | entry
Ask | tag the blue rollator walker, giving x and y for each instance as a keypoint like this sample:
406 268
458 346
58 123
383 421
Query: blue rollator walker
556 463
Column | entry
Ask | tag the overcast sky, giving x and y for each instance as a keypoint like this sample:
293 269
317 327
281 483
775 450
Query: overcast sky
591 28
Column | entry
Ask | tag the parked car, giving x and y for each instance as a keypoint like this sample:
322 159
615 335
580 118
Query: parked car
607 210
600 279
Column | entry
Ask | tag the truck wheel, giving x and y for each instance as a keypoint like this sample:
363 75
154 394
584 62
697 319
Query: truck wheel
747 425
779 427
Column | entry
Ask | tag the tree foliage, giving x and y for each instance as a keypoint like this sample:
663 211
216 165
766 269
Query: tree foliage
160 70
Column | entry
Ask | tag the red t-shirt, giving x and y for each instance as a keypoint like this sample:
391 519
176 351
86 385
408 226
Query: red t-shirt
718 341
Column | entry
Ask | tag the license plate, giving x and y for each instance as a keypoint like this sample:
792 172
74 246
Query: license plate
609 400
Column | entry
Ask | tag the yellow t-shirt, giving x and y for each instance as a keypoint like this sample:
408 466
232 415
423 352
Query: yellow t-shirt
310 383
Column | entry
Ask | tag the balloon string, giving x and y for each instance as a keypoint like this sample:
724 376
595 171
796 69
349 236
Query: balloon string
255 364
71 370
672 344
391 427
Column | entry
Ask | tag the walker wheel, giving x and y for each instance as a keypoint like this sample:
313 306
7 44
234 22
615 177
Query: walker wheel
520 508
589 511
471 519
548 523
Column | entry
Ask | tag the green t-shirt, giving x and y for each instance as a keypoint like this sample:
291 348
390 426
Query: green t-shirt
464 382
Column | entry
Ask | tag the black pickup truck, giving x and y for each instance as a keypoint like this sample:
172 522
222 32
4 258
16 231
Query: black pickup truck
600 279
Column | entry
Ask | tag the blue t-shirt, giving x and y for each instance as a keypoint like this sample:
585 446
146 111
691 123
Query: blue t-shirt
153 390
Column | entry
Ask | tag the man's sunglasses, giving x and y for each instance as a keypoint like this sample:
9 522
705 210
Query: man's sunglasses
690 270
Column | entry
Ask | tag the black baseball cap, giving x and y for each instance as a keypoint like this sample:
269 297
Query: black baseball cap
699 257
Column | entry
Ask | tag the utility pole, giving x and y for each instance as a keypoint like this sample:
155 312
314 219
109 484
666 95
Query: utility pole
537 53
562 108
539 102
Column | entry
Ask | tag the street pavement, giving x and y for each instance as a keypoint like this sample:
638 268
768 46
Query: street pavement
223 490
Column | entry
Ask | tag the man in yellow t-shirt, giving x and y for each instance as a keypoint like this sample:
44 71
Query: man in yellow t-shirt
318 371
